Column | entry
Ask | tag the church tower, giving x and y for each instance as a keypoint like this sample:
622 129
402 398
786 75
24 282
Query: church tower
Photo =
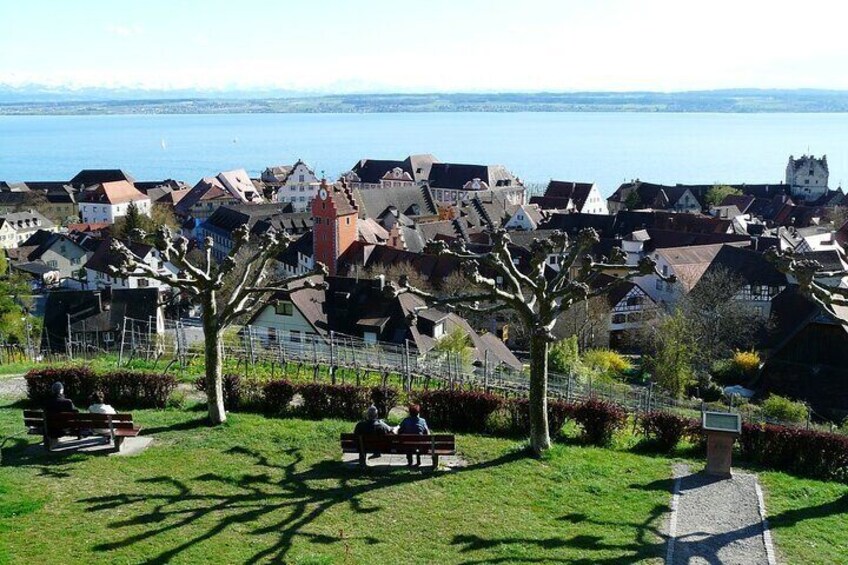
807 177
334 215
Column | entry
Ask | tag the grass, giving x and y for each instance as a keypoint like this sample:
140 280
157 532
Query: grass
261 490
258 490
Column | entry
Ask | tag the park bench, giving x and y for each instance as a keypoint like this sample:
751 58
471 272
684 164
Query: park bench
114 426
403 444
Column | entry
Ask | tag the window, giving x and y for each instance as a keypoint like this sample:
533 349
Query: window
284 308
369 337
52 264
347 221
107 337
618 318
296 336
659 284
634 301
301 178
438 330
75 261
143 283
552 260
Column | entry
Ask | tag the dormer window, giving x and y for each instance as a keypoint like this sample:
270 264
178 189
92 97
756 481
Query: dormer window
438 330
284 308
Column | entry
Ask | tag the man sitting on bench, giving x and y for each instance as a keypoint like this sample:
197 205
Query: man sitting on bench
372 426
57 404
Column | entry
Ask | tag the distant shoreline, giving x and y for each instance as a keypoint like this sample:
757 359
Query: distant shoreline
718 101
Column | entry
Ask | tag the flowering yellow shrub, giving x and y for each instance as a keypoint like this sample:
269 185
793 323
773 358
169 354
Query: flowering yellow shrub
746 362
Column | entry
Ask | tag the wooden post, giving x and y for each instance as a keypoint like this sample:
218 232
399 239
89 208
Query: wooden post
486 371
332 358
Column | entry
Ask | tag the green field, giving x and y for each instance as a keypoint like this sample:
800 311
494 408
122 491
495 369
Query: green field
260 490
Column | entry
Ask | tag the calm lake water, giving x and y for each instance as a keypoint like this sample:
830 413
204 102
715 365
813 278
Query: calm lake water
603 147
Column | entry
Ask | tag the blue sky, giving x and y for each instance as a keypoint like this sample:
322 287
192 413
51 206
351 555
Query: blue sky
458 45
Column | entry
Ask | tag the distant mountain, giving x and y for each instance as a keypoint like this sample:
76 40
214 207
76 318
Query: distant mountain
37 99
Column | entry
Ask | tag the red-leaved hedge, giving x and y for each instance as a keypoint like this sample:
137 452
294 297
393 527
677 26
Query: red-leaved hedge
124 389
347 402
663 429
519 415
599 420
796 450
458 410
278 395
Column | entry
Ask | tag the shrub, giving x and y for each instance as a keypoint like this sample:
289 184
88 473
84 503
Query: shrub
783 409
807 452
607 362
564 357
347 402
136 389
232 389
518 410
278 395
599 420
458 410
384 398
128 389
664 429
79 382
725 372
747 363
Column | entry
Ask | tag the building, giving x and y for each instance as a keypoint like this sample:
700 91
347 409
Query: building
238 183
526 217
60 254
98 267
204 198
638 195
335 215
566 196
451 183
807 177
96 319
109 201
298 186
17 227
259 218
381 173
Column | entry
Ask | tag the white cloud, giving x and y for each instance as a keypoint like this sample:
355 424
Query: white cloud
119 30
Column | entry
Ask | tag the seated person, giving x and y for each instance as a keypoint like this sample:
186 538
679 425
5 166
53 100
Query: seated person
56 404
371 425
98 406
415 425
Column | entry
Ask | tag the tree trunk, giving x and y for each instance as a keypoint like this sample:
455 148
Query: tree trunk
540 438
214 358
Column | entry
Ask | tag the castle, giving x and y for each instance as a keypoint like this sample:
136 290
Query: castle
807 176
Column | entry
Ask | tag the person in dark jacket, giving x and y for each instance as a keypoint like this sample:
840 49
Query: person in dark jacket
372 425
415 425
56 404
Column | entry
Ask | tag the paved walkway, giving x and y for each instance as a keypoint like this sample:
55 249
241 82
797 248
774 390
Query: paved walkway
12 387
716 520
388 460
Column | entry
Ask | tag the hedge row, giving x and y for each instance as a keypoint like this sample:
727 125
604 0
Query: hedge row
123 389
796 450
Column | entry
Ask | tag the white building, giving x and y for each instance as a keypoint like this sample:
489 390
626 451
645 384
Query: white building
237 182
298 187
807 176
525 218
98 275
17 227
110 201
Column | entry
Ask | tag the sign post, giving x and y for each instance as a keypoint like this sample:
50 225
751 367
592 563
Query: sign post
722 429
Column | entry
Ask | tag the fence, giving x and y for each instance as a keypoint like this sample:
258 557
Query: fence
175 343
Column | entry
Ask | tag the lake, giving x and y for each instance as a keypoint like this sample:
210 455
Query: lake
607 148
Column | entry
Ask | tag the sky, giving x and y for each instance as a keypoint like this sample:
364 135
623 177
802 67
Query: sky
435 46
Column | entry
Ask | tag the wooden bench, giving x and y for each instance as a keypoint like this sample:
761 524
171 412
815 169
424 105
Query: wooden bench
114 426
404 444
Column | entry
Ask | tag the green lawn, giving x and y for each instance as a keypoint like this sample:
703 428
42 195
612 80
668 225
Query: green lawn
260 490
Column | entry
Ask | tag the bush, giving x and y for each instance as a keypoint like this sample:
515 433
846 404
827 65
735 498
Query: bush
607 362
232 389
126 389
458 410
79 382
278 395
518 410
347 402
664 429
806 452
564 357
726 373
384 398
783 409
747 363
599 420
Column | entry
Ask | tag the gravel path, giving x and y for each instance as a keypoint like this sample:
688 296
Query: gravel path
717 521
12 387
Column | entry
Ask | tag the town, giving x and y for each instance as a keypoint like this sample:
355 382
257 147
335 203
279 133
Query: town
376 221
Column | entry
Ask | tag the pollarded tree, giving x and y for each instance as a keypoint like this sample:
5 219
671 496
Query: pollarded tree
538 295
812 279
202 281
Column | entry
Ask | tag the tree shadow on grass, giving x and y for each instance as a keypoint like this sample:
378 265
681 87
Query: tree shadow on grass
285 499
650 538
